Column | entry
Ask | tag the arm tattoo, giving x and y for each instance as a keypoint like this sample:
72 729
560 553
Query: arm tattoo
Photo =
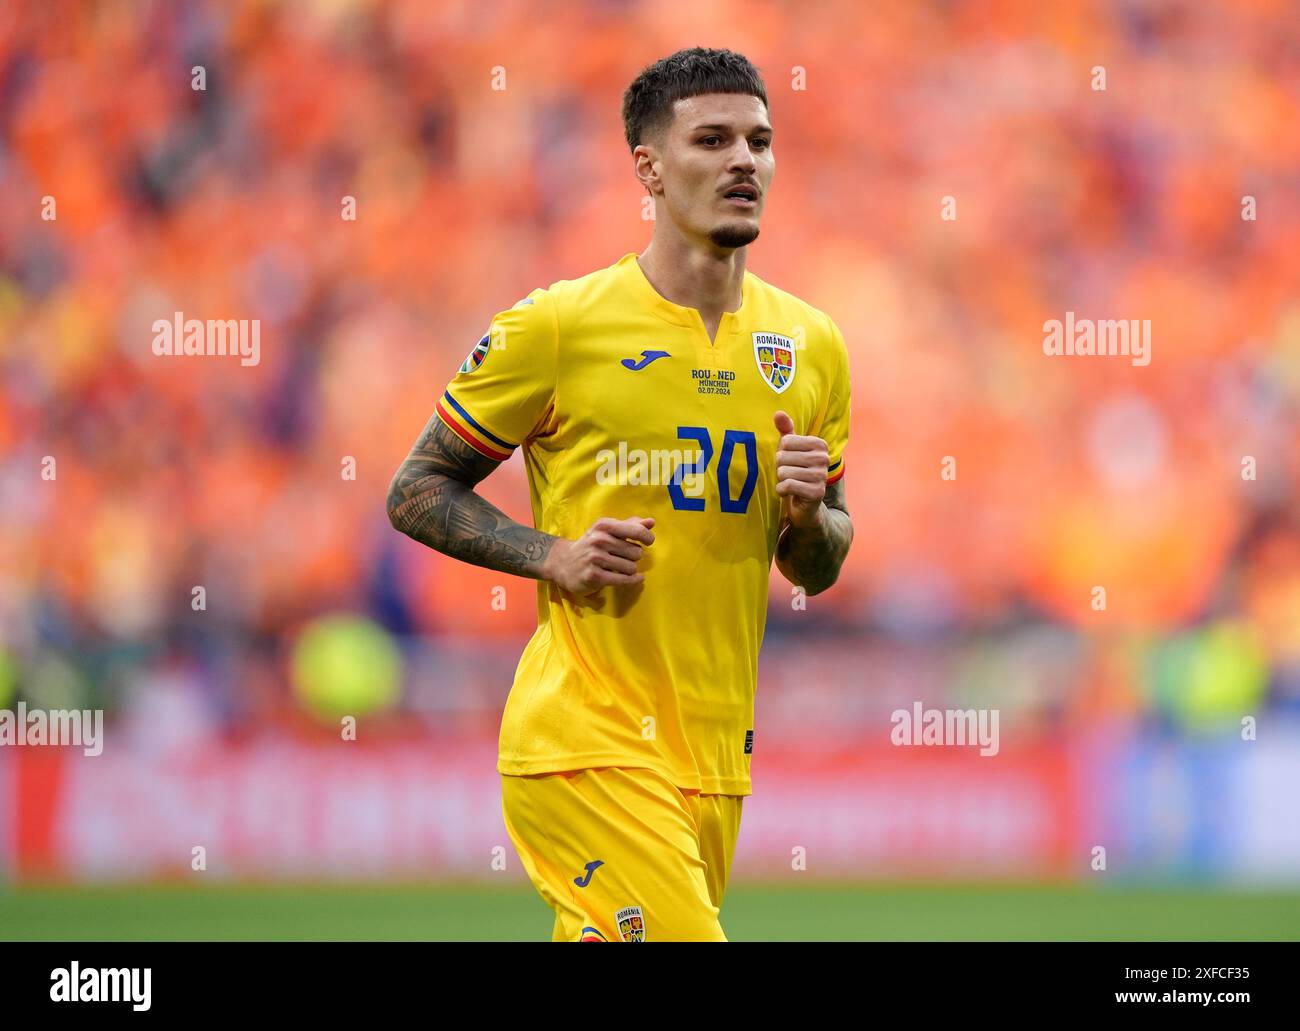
432 500
812 558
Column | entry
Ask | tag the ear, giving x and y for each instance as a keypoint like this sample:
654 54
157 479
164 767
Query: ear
645 159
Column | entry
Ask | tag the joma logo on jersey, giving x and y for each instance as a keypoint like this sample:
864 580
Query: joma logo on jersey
774 354
636 365
591 868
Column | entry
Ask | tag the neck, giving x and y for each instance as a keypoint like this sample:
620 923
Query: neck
708 280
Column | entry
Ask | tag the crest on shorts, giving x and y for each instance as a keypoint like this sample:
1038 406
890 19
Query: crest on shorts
631 924
774 354
476 356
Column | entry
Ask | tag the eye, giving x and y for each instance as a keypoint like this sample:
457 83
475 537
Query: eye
764 143
707 138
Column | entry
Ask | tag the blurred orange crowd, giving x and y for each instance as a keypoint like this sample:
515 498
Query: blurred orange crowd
949 178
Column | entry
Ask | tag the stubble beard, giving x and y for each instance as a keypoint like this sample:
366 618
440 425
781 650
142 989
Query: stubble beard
733 234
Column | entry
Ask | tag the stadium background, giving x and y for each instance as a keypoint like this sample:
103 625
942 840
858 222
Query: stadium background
1120 728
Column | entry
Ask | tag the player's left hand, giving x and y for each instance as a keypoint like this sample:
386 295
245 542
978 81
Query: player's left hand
801 465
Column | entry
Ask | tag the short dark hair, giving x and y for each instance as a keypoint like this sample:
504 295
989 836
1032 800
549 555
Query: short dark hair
648 102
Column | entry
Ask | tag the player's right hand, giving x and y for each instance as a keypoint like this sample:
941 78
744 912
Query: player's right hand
604 556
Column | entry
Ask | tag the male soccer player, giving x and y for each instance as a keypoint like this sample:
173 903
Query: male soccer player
683 423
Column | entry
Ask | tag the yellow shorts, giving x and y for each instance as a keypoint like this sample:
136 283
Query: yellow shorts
623 854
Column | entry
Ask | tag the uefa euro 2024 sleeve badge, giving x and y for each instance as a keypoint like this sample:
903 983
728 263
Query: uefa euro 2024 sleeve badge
774 354
631 924
476 356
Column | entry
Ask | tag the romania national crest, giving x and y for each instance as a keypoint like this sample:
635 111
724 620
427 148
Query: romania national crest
775 356
631 924
477 355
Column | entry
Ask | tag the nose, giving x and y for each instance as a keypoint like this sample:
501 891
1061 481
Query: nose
741 158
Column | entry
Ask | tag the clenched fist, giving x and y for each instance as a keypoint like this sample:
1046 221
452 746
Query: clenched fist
801 465
604 556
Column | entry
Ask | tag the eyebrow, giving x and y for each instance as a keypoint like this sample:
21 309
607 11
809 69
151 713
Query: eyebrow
727 128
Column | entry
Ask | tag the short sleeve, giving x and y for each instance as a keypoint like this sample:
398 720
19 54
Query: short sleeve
835 426
505 389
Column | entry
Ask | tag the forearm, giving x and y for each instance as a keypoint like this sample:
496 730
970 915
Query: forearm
811 557
450 517
432 500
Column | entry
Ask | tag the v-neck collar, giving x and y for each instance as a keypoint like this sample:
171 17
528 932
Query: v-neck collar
677 314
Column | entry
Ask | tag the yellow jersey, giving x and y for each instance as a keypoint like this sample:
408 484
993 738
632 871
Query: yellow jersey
624 407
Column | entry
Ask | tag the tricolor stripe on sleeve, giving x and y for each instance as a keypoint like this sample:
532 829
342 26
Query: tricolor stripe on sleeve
461 423
835 472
